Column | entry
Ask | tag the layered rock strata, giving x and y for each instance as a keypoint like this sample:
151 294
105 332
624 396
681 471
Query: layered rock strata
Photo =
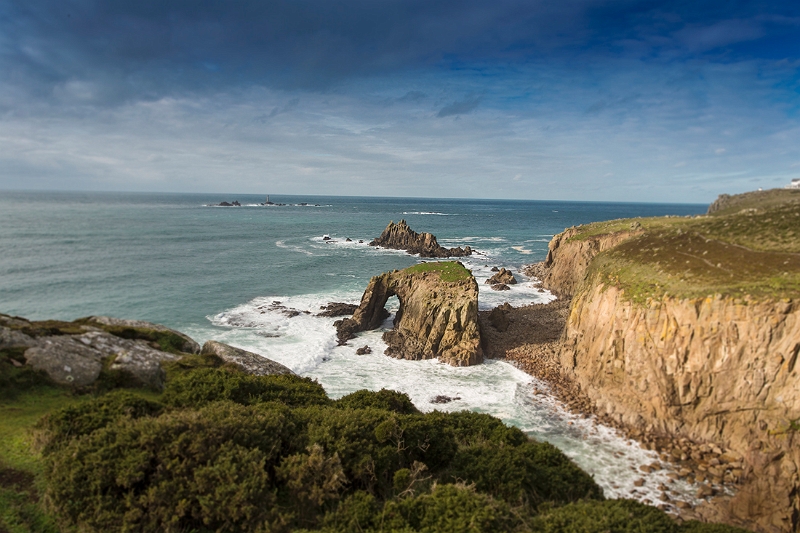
436 319
400 237
719 370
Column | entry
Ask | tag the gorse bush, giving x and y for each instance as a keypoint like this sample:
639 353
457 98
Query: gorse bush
225 451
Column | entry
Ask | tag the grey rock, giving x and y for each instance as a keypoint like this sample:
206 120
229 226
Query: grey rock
189 346
137 358
247 361
66 360
10 337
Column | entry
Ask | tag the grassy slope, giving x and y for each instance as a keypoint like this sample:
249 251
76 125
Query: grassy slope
752 247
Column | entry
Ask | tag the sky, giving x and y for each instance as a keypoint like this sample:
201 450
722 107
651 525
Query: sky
624 100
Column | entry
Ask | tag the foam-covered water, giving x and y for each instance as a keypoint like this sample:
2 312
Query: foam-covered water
256 276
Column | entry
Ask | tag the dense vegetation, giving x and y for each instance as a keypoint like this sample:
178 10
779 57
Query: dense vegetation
751 247
220 450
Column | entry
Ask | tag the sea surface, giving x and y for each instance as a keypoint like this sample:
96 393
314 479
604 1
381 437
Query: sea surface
234 274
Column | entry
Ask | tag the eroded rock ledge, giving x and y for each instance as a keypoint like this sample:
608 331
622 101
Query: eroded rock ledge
400 237
438 315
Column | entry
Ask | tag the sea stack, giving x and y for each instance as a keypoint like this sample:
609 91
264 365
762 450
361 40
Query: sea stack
401 237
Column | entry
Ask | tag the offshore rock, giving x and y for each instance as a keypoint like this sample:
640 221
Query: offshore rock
337 309
503 277
400 237
248 362
437 318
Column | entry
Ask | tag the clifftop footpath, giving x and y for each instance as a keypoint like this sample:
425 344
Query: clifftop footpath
690 328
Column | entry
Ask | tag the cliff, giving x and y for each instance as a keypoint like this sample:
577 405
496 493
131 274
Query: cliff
690 327
438 315
401 237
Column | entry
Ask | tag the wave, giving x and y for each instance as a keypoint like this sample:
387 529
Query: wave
435 213
293 248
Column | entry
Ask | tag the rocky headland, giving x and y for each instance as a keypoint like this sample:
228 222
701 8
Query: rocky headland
686 332
438 315
401 237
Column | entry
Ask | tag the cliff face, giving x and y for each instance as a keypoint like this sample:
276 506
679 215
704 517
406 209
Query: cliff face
714 369
438 315
401 237
718 369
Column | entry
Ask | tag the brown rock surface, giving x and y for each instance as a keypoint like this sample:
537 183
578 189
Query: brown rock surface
400 237
503 276
436 319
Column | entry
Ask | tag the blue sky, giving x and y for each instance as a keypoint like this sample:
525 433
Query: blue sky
579 100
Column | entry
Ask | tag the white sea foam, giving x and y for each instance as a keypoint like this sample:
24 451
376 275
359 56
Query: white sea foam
307 344
294 248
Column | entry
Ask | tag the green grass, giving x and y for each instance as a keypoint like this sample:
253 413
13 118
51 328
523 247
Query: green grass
448 270
751 249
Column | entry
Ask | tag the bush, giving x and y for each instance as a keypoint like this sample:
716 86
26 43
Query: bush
612 516
200 386
527 475
77 420
387 400
210 469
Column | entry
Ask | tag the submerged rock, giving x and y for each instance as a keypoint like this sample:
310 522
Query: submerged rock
364 350
438 315
400 237
248 362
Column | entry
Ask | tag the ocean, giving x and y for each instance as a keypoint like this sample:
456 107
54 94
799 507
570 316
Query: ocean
232 273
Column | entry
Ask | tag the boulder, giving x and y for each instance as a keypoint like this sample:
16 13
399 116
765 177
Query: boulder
364 350
438 315
66 360
500 287
248 362
401 237
503 276
11 338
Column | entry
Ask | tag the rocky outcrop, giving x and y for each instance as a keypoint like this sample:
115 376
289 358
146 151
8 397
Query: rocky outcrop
503 277
337 309
438 315
78 353
400 237
118 326
247 362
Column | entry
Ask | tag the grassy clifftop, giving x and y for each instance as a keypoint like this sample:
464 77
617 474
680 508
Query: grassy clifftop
750 246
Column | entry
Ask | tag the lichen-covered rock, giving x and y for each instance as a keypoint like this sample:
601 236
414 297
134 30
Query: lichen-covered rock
115 325
438 315
66 360
135 357
248 362
401 237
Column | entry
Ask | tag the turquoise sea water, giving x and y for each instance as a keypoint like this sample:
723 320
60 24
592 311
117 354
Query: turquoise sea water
216 272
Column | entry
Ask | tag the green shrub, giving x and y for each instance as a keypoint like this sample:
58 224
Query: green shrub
449 508
388 400
210 469
527 475
199 386
612 516
476 428
61 426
